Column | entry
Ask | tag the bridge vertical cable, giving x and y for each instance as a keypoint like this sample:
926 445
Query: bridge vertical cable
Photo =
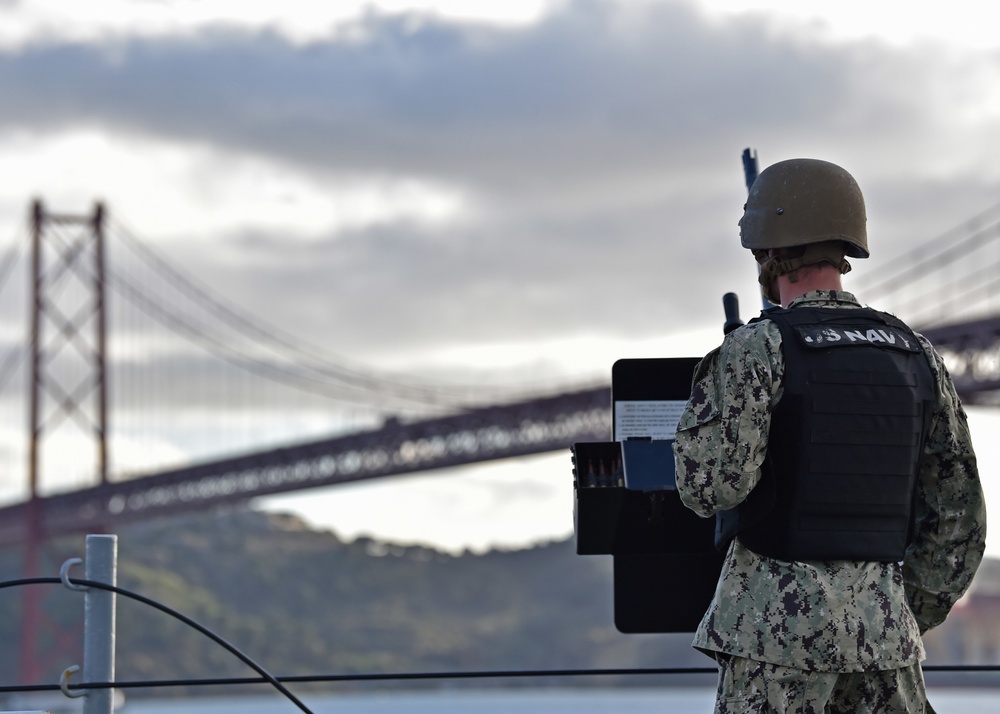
230 382
13 354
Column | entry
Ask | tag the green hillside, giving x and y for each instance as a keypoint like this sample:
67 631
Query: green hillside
303 602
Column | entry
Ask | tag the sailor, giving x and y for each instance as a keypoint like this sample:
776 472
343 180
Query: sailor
829 440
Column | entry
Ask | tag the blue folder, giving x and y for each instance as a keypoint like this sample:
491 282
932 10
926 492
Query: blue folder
649 464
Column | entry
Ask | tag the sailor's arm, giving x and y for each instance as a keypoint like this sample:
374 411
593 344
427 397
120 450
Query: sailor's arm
722 434
950 518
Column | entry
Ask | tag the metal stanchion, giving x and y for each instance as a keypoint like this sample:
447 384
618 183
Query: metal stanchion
99 623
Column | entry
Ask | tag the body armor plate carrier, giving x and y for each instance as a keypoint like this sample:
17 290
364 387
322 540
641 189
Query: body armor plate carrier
839 478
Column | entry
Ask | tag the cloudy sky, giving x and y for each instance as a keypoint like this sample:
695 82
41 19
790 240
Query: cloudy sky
519 192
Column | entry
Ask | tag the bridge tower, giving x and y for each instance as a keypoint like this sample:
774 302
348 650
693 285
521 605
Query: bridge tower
67 388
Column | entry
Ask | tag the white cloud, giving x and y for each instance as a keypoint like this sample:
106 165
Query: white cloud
180 188
506 504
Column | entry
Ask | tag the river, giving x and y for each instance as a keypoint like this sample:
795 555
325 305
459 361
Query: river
530 701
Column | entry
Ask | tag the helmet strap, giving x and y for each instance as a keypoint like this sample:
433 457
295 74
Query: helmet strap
771 266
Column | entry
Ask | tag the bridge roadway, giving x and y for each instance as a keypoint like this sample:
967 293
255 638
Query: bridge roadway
483 434
971 351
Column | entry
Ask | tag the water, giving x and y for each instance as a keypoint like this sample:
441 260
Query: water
534 701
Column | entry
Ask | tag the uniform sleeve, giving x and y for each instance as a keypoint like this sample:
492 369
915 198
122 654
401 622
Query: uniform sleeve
950 517
722 434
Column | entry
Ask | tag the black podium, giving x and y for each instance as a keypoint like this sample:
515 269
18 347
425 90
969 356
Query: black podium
665 562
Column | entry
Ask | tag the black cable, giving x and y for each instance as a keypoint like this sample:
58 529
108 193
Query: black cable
396 676
423 676
277 682
267 677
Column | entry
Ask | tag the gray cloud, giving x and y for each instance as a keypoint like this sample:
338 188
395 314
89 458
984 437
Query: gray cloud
595 96
602 146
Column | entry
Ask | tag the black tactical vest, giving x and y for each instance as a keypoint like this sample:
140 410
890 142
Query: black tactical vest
846 437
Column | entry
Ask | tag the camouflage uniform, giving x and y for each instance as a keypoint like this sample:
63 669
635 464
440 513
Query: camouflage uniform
833 616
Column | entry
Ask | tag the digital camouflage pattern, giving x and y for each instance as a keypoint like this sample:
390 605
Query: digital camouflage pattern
747 686
835 616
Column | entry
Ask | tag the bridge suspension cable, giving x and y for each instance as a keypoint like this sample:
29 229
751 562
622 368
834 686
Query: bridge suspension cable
950 277
949 289
288 359
15 355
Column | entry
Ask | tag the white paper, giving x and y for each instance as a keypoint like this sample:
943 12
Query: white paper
654 419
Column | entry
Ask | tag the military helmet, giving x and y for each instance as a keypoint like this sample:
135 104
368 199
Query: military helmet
803 201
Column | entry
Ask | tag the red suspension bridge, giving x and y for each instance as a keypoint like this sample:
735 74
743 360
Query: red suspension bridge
67 383
64 371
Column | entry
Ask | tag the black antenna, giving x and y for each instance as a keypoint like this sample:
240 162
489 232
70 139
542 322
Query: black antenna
749 167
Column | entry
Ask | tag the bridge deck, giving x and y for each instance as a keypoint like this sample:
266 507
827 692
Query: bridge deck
496 432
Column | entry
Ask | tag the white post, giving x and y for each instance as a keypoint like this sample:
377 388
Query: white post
99 623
